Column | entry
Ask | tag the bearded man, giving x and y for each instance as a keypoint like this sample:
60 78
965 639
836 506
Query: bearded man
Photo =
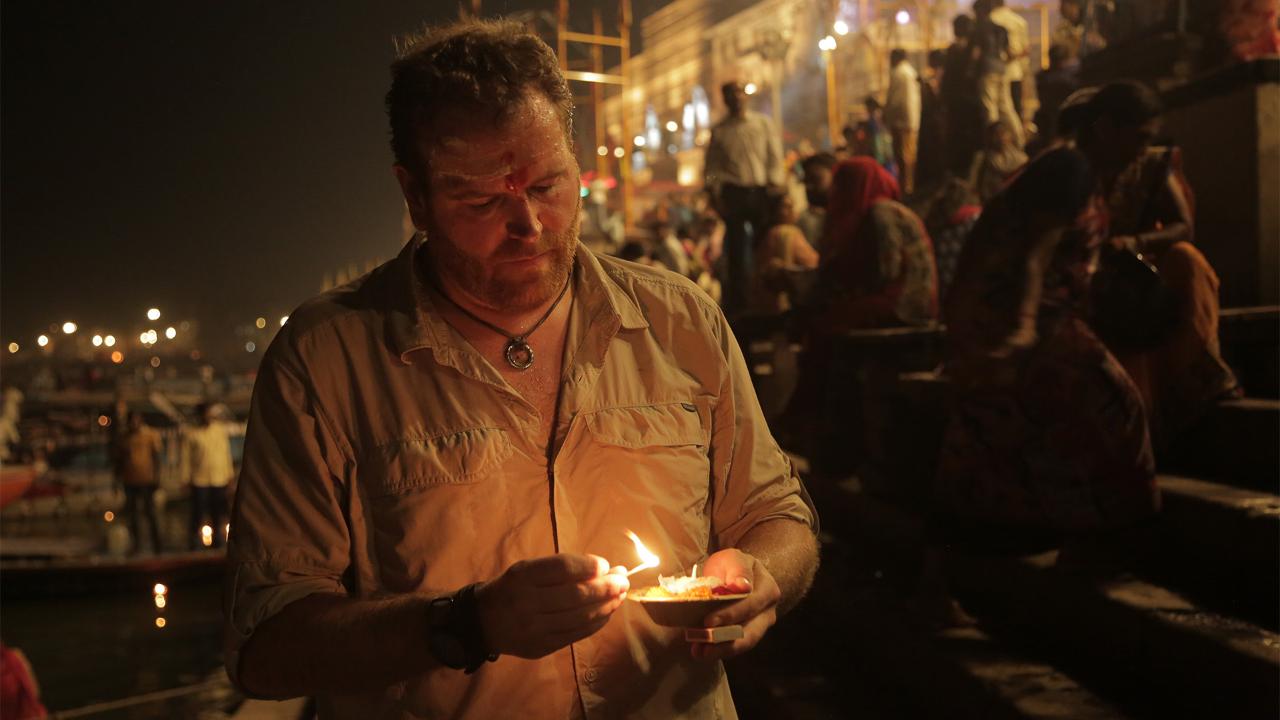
444 456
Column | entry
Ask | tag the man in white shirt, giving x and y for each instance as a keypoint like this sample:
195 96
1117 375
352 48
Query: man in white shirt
743 166
902 115
208 468
1018 67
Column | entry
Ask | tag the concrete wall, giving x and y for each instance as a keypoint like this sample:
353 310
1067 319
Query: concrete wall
1228 125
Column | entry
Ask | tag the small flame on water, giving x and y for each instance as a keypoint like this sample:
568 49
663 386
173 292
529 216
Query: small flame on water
206 535
647 558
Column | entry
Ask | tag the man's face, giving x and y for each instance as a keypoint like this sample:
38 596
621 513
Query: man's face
735 97
500 206
817 183
1070 12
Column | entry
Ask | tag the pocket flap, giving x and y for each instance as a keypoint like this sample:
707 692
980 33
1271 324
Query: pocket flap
668 424
453 458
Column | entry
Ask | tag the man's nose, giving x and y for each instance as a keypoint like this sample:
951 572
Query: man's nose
522 219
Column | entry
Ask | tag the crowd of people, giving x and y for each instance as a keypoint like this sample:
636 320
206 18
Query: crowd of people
1056 248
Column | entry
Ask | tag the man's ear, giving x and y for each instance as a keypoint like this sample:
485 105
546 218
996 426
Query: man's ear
415 196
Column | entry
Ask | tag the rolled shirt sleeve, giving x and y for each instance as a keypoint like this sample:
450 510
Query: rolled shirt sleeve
753 479
290 537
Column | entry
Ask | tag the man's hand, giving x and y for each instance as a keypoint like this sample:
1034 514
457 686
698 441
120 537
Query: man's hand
539 606
756 613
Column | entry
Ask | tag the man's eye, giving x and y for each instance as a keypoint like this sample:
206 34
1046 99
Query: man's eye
542 189
483 205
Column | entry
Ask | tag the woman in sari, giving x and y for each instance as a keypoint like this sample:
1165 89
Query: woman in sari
1181 375
879 269
1048 435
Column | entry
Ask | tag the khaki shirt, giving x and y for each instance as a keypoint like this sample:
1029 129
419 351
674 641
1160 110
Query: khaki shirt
385 456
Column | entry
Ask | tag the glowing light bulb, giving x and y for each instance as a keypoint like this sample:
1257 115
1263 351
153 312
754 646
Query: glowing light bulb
153 314
841 27
206 535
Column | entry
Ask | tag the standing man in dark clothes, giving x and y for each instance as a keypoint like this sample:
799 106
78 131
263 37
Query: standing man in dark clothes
959 91
743 165
931 163
1053 87
139 452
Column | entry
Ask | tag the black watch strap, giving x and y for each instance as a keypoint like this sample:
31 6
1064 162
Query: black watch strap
467 624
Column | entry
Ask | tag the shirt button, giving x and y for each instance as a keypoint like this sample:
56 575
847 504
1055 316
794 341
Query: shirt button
592 675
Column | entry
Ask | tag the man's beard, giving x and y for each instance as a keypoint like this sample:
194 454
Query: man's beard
476 277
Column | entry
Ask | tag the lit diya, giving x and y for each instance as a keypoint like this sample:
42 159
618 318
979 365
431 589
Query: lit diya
684 602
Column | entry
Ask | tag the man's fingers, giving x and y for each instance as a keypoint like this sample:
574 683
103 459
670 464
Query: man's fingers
567 621
752 633
741 611
557 598
560 569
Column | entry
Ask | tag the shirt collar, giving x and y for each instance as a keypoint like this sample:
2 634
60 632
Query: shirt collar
414 324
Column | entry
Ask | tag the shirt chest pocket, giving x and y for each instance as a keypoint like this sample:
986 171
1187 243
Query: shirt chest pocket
652 464
431 499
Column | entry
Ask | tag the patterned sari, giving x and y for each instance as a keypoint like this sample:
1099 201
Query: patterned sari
1047 431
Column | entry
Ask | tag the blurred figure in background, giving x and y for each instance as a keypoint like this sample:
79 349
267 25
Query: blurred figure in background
960 96
743 167
871 138
1018 66
902 115
783 251
990 42
878 268
1053 86
208 468
140 448
817 185
931 160
951 214
996 163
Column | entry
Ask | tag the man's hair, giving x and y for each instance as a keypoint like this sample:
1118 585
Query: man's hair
731 85
871 103
1125 103
937 58
961 25
982 7
896 56
481 66
821 160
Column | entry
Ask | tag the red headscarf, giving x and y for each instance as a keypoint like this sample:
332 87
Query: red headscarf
856 185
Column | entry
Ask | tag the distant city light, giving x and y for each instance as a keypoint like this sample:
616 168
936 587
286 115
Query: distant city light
284 319
260 322
639 141
673 126
153 314
103 421
619 152
206 535
109 341
108 516
68 328
673 149
160 589
827 44
143 338
250 346
117 357
97 341
903 17
160 622
170 333
750 89
602 151
13 348
155 361
43 340
161 602
841 27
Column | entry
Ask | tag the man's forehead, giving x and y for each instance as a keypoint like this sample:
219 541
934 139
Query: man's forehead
458 164
465 149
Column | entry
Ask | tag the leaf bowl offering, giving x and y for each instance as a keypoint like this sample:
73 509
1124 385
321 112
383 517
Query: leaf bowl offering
682 610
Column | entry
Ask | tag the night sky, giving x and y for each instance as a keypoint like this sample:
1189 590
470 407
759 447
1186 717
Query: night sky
213 159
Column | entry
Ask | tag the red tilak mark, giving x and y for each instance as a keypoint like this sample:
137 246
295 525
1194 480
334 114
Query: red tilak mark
517 179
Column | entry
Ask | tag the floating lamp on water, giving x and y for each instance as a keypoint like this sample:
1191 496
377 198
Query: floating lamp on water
206 535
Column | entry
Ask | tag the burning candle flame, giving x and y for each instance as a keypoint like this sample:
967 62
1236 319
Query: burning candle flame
648 559
206 535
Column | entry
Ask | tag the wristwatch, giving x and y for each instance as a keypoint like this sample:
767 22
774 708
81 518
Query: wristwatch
454 636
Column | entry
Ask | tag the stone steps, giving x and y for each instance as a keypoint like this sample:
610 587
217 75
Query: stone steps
1127 648
1147 649
1250 339
1238 443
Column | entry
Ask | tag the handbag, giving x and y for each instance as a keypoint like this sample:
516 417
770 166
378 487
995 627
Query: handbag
1131 307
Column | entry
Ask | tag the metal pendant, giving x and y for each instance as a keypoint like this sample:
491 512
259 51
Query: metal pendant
519 354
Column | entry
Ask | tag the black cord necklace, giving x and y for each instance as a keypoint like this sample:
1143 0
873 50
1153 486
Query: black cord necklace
518 353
